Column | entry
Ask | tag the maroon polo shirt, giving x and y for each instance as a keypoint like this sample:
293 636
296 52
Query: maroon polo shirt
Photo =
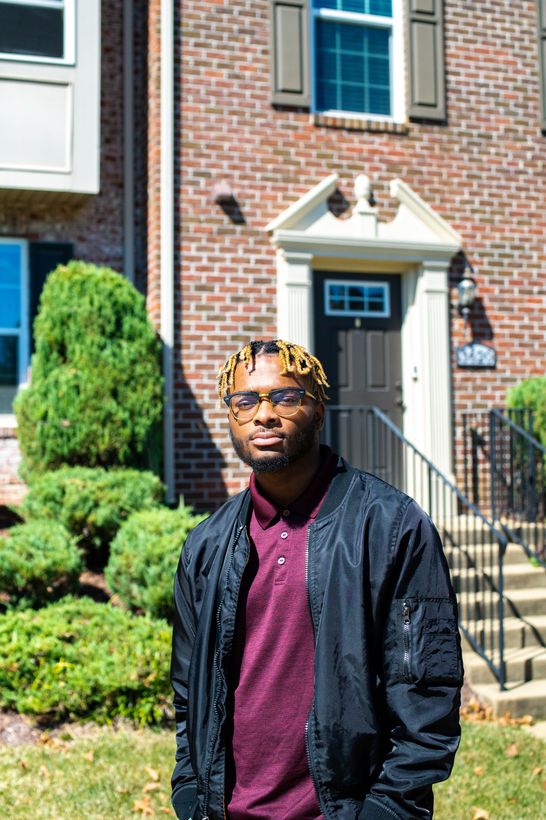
272 673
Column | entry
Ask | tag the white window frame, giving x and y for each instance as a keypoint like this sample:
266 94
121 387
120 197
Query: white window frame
377 314
7 419
396 55
69 8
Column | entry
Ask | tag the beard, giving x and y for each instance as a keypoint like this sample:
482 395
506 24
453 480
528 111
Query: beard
297 447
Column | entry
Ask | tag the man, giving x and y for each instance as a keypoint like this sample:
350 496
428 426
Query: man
316 659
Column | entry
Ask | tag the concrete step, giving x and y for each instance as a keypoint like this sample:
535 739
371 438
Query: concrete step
519 699
520 665
515 576
518 602
518 633
476 555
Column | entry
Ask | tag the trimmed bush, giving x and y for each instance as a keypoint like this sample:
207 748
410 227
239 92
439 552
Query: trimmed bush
95 396
39 562
78 659
531 395
143 559
91 503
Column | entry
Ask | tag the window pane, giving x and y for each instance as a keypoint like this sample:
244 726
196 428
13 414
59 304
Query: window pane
353 68
8 361
355 299
31 30
10 286
381 7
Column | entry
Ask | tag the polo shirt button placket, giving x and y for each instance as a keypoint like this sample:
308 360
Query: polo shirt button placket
280 574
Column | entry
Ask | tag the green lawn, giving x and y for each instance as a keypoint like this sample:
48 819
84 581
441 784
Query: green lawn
106 774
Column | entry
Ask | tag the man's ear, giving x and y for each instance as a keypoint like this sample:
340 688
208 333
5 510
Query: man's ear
319 415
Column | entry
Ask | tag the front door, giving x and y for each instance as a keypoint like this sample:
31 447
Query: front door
357 337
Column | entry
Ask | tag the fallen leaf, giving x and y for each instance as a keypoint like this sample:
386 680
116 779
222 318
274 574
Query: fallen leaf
44 771
480 814
536 771
151 787
122 790
23 763
90 756
512 750
479 770
165 810
152 773
144 806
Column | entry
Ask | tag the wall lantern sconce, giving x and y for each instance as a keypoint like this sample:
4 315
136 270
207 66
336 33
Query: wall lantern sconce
466 290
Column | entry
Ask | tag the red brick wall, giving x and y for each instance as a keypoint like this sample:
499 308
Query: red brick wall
483 172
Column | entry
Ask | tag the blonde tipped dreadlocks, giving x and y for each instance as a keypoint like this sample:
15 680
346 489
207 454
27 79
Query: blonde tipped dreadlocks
294 358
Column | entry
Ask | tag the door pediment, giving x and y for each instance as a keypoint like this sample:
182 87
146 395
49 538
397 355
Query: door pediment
415 233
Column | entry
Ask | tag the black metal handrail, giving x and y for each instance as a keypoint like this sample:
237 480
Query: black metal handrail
474 547
505 473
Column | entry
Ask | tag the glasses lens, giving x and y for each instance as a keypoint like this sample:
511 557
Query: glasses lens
286 401
244 404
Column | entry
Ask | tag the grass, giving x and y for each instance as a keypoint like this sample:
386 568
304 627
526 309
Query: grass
107 774
96 774
499 773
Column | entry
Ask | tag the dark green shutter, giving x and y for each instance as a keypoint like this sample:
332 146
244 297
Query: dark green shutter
290 52
43 258
542 60
426 60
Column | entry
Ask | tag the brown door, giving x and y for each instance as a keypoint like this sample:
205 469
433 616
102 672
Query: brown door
357 337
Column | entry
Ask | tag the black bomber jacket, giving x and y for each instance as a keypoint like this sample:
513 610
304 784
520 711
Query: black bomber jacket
384 723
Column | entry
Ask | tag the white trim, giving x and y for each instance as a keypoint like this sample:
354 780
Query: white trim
68 7
167 238
128 145
378 314
309 201
8 421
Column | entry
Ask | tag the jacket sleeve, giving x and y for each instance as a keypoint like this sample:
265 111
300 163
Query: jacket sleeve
184 784
421 675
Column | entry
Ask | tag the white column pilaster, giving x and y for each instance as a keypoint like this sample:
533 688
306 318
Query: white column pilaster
434 299
295 297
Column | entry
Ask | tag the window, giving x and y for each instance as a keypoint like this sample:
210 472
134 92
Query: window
356 298
353 56
37 30
13 331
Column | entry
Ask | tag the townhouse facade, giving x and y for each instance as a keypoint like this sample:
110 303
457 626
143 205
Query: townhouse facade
328 171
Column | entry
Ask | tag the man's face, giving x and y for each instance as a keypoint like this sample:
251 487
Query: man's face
267 442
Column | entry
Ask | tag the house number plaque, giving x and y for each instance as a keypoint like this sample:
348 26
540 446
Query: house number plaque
475 354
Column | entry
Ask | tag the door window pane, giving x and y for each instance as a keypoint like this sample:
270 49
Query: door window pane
357 299
8 361
32 30
10 286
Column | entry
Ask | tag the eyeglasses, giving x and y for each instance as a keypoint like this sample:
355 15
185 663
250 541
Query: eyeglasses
285 401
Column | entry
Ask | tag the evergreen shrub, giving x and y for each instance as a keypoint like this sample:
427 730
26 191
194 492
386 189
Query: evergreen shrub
95 396
144 556
92 503
530 394
39 562
78 659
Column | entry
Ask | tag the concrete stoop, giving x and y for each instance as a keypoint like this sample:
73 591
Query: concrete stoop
524 629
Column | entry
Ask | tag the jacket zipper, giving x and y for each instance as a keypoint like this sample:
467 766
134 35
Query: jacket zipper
406 613
216 668
307 722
